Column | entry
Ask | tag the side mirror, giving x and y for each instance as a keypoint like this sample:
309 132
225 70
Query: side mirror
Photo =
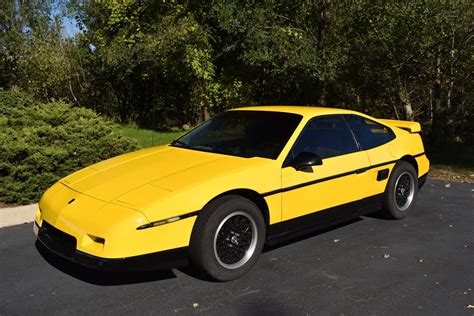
305 160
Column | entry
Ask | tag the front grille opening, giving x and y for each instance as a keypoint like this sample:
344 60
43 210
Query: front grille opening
57 240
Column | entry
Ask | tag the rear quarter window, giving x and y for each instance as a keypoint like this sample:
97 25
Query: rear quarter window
370 134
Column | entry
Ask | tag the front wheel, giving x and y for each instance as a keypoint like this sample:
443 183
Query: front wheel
401 190
228 238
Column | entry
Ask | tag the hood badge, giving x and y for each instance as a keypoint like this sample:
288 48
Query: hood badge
72 201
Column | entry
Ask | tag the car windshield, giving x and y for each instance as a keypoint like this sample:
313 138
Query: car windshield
242 133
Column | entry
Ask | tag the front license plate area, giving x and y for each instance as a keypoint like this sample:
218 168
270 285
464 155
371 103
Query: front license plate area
57 240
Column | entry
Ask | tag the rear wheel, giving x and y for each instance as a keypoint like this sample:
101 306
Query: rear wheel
401 190
227 238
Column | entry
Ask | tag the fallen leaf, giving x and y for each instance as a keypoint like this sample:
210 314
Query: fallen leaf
195 304
448 185
337 240
386 256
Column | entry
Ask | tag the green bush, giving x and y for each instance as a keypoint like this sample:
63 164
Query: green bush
41 143
13 100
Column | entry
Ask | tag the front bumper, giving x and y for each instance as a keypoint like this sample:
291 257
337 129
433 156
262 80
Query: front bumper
64 245
103 229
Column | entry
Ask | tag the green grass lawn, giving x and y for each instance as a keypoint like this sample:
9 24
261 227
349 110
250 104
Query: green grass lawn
455 162
147 137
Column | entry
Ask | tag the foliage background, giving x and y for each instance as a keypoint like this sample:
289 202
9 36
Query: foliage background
163 64
41 143
167 64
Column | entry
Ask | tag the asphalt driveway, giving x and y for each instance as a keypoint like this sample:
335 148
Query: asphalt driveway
423 264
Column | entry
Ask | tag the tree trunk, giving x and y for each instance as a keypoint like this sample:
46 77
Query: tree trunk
439 113
430 93
205 110
322 87
449 94
321 44
405 100
451 75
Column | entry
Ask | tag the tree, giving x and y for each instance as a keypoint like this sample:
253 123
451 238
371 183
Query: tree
182 61
403 57
19 21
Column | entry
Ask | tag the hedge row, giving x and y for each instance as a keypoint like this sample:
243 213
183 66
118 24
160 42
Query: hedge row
43 142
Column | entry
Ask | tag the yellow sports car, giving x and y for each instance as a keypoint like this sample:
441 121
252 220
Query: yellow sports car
244 178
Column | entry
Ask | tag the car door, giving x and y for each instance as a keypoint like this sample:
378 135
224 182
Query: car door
334 183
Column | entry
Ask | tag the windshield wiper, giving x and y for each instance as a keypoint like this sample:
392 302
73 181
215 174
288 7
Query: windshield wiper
180 143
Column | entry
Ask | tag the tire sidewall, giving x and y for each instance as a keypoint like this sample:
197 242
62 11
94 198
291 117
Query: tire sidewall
202 239
389 203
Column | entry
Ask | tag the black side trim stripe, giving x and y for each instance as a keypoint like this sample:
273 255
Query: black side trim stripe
361 170
321 219
188 215
168 220
301 185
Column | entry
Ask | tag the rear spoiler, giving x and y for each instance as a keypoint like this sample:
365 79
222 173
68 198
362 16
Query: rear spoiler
412 127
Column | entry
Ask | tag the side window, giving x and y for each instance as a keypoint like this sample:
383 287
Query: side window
369 133
326 136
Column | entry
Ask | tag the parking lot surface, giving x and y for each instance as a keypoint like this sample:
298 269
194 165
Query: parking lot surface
423 264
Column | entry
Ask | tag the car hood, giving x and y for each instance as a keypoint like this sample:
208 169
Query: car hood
154 169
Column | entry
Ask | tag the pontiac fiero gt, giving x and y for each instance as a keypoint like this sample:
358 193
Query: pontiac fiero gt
244 178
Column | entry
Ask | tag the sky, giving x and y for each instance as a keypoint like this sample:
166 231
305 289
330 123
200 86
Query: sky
70 28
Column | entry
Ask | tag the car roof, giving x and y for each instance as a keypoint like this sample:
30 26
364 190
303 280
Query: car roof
302 110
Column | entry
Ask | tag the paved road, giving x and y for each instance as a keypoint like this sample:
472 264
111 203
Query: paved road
421 265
